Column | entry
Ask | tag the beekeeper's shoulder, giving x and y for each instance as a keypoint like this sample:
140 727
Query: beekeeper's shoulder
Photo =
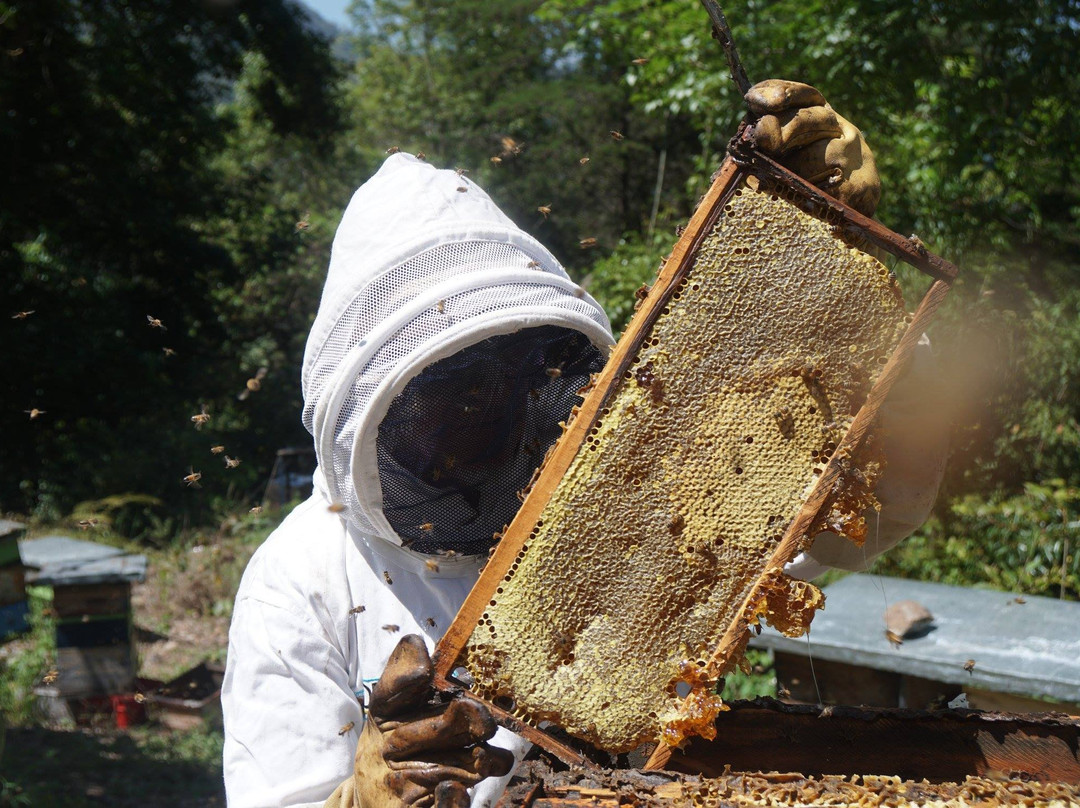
302 563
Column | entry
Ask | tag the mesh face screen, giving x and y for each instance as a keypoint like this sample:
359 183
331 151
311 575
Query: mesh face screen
704 453
467 433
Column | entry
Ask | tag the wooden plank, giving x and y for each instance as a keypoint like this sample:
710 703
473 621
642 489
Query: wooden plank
95 671
940 746
92 599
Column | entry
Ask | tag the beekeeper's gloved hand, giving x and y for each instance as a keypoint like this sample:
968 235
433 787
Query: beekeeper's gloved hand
414 751
795 125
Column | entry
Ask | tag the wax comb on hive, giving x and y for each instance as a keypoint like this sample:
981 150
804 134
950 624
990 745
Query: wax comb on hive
731 423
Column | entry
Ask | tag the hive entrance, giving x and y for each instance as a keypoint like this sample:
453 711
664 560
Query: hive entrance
729 424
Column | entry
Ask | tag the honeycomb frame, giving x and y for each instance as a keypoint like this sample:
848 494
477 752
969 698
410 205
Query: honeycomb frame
771 596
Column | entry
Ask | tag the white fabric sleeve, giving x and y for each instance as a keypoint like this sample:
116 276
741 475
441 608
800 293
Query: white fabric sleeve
915 425
286 696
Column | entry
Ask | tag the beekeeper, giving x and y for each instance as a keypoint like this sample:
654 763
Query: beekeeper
427 391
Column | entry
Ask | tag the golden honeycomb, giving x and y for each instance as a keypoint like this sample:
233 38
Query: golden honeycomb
672 508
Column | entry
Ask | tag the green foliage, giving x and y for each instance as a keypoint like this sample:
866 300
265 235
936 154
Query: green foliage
23 670
1024 543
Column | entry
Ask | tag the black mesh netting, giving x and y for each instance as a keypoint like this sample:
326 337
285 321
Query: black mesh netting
465 435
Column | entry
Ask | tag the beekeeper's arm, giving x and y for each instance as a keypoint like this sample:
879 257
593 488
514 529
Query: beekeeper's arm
794 124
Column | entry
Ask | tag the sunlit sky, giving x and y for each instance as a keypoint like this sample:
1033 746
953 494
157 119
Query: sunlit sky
331 10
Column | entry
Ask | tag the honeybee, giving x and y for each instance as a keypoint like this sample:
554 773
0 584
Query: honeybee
427 527
357 609
392 628
583 161
50 677
553 373
616 135
496 160
22 315
155 322
393 150
386 576
532 265
86 524
34 413
431 564
782 692
169 351
139 698
1019 601
431 622
421 156
640 61
256 510
304 223
192 479
893 637
545 210
335 507
587 243
440 306
231 462
461 172
969 666
200 418
253 385
462 189
511 146
347 728
217 449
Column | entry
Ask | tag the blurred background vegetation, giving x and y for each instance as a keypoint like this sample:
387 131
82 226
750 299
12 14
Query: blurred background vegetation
188 162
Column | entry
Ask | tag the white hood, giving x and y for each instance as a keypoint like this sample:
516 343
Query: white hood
423 265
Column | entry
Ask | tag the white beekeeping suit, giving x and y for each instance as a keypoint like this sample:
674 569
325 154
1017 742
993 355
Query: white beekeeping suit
427 284
430 289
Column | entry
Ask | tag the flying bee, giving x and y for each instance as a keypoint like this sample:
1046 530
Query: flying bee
440 306
357 609
511 146
893 638
231 462
421 156
587 243
462 189
50 677
217 449
200 418
431 622
169 351
583 161
392 628
253 385
256 510
393 150
22 315
347 728
496 160
304 223
86 524
545 210
532 265
1019 600
616 135
34 413
192 478
335 507
155 323
386 576
461 172
432 564
449 553
641 61
427 527
139 698
969 666
553 373
782 692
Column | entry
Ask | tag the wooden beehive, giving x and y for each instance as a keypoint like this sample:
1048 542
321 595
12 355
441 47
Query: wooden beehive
732 422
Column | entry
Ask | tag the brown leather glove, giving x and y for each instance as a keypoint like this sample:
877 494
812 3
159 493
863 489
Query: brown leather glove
795 125
415 750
